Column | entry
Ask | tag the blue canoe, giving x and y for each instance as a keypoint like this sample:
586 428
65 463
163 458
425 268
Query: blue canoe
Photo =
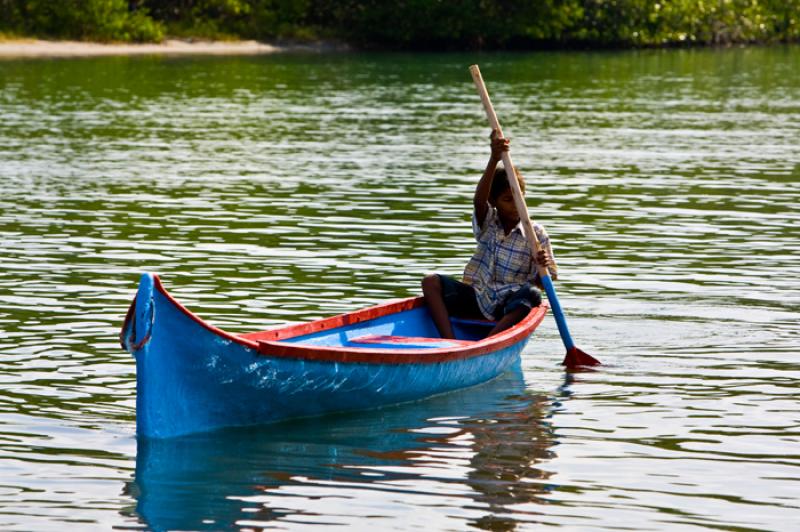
193 377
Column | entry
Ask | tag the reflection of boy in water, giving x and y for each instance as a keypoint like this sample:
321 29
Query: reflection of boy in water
508 448
498 280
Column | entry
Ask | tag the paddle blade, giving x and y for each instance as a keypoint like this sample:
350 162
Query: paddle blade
576 358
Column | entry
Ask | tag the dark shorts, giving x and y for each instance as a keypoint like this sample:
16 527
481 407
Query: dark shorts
462 302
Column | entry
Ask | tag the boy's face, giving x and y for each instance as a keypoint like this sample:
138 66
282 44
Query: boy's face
506 208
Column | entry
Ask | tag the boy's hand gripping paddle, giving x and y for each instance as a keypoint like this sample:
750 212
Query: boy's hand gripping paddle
575 357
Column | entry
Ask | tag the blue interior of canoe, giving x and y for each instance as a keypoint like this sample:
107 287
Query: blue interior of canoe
410 329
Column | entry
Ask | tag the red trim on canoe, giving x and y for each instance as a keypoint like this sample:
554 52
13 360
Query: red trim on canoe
268 342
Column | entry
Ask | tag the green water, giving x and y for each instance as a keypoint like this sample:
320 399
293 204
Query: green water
267 190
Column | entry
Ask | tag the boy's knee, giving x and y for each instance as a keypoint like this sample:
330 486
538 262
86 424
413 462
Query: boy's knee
431 283
532 295
523 300
535 297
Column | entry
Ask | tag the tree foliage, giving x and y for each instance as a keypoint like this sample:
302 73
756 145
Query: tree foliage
658 22
415 24
450 24
79 19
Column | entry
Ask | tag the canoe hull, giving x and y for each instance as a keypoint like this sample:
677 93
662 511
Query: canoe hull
193 378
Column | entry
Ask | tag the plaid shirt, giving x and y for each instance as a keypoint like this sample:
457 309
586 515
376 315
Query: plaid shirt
502 263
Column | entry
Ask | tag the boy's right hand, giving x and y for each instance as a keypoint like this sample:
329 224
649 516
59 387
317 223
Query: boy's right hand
498 144
544 260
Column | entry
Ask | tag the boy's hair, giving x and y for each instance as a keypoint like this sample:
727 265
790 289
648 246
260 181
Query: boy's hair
500 182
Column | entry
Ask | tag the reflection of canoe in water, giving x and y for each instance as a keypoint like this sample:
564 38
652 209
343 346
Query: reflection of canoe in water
216 480
193 377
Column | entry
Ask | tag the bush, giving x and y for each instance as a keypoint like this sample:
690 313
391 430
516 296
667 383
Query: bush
456 24
660 22
103 20
140 27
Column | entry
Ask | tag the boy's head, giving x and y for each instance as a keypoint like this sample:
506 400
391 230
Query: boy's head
500 183
501 198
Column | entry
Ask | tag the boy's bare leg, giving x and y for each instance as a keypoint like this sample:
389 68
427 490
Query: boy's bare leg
432 289
510 319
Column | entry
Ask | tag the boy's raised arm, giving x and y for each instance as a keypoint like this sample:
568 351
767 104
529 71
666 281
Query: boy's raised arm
484 188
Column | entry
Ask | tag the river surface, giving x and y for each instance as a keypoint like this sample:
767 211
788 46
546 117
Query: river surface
276 189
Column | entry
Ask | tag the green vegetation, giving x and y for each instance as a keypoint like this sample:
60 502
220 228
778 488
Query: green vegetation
414 24
103 20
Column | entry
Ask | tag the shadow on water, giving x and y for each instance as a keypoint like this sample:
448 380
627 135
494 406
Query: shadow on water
498 430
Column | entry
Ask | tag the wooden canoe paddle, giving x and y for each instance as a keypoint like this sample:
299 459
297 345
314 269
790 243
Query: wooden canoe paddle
575 357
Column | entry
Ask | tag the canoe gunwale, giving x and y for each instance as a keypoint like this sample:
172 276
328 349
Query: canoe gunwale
518 333
197 319
268 343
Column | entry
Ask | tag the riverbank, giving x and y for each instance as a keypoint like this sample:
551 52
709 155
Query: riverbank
27 48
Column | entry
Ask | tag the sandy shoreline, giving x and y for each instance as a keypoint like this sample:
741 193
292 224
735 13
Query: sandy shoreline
41 48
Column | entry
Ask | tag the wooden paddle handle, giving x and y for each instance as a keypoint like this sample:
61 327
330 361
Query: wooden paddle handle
516 191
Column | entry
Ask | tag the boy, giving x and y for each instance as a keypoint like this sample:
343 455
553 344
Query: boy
497 280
